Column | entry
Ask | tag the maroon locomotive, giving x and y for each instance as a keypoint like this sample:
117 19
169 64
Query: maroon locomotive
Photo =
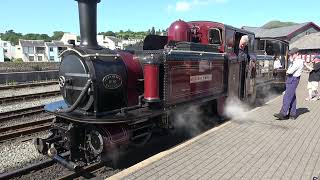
116 98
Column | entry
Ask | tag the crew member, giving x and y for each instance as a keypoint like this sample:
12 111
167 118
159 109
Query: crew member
244 58
242 54
293 77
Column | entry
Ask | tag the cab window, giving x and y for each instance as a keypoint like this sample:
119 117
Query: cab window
215 36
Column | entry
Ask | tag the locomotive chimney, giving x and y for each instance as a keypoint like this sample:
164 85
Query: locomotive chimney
88 23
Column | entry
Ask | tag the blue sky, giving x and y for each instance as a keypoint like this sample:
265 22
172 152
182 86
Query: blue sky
46 16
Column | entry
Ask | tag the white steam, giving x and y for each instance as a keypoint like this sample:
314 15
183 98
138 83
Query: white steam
236 109
189 120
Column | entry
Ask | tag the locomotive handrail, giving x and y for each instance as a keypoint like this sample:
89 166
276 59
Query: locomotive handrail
76 104
90 55
199 52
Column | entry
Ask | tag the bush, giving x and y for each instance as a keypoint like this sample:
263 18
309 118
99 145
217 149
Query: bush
18 60
7 59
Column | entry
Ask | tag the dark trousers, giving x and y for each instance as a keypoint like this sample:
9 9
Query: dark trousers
289 98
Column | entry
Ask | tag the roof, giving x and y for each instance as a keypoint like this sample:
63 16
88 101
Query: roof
56 43
32 43
310 41
279 32
114 39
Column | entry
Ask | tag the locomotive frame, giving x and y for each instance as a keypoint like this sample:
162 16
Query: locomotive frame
117 98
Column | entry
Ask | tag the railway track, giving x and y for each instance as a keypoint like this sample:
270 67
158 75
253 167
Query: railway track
12 132
20 113
33 167
28 96
85 172
26 85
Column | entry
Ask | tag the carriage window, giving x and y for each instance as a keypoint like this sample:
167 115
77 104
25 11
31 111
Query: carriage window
214 36
261 45
270 48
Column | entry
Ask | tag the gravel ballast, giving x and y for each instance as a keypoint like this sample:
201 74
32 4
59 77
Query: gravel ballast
16 154
29 90
26 104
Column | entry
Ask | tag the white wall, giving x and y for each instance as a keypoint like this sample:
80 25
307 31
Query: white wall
1 54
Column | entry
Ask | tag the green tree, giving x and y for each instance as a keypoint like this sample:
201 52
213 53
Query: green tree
108 33
57 35
276 24
11 36
153 31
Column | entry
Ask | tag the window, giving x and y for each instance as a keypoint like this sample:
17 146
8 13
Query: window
40 50
39 58
51 58
261 44
4 44
214 36
30 50
51 49
31 58
270 48
5 51
25 50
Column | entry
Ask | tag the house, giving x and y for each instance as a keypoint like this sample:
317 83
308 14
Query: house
31 50
309 45
109 42
69 36
1 54
131 42
39 51
8 48
54 49
288 33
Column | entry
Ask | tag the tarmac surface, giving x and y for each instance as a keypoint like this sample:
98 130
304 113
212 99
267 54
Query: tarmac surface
255 146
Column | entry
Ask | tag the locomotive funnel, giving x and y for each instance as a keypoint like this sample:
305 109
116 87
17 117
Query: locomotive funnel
88 23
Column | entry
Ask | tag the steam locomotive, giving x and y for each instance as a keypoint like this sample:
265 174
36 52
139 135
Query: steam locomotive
114 98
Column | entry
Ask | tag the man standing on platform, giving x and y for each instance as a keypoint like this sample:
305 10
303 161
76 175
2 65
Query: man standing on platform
293 77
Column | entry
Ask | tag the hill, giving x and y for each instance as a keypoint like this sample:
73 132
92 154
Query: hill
276 24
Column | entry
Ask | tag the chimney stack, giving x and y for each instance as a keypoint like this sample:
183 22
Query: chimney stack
88 23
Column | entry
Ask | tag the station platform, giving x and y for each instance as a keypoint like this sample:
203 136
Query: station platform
254 147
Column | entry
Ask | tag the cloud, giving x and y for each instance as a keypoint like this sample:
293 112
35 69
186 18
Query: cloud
183 6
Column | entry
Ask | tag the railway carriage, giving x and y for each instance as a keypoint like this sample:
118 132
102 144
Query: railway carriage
117 98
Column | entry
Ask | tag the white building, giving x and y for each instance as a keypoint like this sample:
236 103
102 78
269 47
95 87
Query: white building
1 54
31 50
131 41
109 42
8 49
69 36
39 51
54 49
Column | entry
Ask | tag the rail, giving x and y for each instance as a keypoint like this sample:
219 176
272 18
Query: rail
25 85
12 132
10 115
28 96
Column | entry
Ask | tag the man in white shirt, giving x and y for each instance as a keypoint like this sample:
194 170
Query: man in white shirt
293 77
277 63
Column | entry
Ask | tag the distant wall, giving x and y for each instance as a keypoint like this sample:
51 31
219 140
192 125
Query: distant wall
30 76
27 66
1 55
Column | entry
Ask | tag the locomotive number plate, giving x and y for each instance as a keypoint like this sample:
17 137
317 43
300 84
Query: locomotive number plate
112 81
200 78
